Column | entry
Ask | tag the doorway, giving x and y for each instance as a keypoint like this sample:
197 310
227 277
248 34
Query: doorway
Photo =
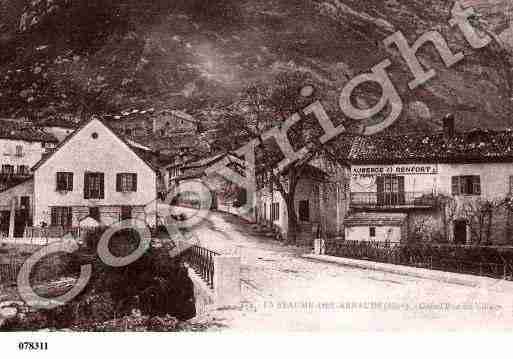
460 231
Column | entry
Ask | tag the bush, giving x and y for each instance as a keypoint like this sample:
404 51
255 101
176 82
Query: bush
92 237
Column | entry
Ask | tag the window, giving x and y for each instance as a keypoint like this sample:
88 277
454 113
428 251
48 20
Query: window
94 212
275 211
304 211
61 216
7 169
19 150
94 185
126 182
372 232
64 181
23 170
466 185
126 212
390 190
511 185
25 202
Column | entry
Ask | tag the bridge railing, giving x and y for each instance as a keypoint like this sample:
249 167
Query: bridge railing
201 261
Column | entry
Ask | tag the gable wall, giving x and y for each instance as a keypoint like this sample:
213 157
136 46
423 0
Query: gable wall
107 154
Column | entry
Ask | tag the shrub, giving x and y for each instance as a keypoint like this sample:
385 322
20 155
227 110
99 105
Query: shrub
92 237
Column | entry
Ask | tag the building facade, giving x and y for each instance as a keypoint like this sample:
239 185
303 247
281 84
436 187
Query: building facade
92 173
21 147
320 201
443 187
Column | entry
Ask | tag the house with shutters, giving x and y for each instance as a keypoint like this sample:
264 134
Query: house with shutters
21 146
93 173
447 186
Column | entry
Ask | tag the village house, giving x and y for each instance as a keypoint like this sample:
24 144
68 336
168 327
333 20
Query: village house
163 123
223 193
440 187
21 147
173 122
321 196
93 173
59 127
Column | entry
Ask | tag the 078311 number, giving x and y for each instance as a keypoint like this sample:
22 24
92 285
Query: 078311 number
33 346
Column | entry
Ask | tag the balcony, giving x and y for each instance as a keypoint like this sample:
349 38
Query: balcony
14 175
395 200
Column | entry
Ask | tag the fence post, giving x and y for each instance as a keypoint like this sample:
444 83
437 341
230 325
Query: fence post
227 284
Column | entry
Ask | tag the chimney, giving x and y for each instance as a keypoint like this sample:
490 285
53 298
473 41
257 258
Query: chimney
449 126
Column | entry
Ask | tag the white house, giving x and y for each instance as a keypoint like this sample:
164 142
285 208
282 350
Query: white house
21 147
321 197
443 185
92 173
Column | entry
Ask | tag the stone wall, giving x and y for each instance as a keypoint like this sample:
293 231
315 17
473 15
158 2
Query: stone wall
203 295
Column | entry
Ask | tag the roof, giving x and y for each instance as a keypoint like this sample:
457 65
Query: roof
375 219
341 146
314 173
195 173
135 144
56 122
181 114
466 147
138 152
16 182
205 161
24 131
197 168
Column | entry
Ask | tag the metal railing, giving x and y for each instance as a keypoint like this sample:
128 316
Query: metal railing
202 262
56 231
487 261
392 199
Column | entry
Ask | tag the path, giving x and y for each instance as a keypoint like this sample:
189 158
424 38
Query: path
283 291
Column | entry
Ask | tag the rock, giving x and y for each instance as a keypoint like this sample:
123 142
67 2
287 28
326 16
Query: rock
8 312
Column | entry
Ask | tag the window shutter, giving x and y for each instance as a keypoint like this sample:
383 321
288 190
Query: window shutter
102 185
380 185
69 219
57 182
86 185
455 185
401 190
465 184
134 182
53 219
118 182
70 181
510 185
476 185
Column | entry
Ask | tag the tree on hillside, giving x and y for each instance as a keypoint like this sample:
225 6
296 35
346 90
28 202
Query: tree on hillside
261 107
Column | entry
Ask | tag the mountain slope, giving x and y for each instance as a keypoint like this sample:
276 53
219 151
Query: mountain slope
59 56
